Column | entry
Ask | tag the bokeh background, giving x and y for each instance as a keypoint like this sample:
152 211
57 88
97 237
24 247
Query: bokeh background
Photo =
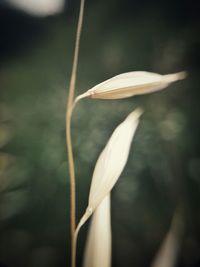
162 176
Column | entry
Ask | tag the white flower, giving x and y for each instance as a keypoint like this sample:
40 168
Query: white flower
130 84
98 244
111 163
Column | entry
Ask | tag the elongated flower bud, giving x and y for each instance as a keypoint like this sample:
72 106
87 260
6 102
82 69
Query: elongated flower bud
98 244
110 163
130 84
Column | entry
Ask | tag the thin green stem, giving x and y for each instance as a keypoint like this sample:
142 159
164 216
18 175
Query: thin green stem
70 105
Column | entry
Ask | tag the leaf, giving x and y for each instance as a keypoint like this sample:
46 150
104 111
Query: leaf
169 249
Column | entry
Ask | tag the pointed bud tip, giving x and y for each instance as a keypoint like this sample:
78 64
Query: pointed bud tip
83 219
175 76
182 75
136 113
84 95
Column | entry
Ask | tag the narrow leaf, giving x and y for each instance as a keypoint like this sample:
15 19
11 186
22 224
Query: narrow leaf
168 252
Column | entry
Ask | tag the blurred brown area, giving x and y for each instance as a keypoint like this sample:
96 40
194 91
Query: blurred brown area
163 171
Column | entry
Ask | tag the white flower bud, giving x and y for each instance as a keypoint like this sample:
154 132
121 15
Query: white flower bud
111 163
130 84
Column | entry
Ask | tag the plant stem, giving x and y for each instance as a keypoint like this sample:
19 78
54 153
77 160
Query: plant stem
70 104
76 54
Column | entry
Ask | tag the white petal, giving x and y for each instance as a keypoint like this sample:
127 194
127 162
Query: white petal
98 245
111 163
130 84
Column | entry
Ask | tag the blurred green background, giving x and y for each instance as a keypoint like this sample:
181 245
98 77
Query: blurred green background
163 170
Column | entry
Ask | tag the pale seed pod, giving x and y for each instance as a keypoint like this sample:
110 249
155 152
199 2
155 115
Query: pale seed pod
130 84
98 245
111 163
